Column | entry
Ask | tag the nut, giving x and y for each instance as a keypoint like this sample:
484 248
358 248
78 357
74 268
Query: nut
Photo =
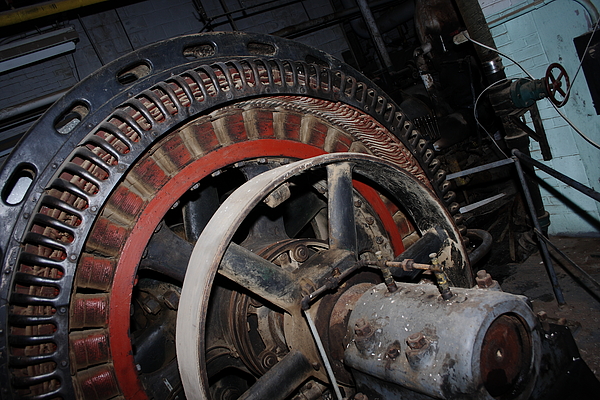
362 328
416 341
483 279
171 299
542 316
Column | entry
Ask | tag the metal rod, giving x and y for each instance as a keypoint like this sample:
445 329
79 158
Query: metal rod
317 338
375 34
31 105
588 191
480 203
282 380
226 10
91 41
480 168
573 263
543 248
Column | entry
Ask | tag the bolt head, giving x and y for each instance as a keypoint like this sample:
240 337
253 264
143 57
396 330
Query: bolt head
483 279
300 253
416 341
362 328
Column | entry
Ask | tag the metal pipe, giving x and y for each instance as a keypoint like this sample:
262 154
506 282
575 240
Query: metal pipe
375 34
483 248
543 248
42 10
24 108
281 380
386 21
229 18
477 27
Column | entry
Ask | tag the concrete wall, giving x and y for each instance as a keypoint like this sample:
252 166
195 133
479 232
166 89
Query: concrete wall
540 35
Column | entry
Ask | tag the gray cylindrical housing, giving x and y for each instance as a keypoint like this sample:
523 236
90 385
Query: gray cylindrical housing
415 339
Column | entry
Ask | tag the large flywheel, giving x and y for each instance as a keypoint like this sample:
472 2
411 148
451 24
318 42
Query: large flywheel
291 290
104 198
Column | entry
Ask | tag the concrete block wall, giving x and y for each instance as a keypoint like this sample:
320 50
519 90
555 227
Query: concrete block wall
540 35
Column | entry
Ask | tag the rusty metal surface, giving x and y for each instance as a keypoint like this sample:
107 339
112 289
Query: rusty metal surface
212 246
478 344
100 189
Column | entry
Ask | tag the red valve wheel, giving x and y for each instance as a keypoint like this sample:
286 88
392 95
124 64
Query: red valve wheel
557 86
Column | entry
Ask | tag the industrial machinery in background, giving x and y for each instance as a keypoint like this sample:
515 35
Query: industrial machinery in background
458 97
230 216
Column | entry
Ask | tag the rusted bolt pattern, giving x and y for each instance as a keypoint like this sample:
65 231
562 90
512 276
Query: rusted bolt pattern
300 253
416 341
362 328
483 279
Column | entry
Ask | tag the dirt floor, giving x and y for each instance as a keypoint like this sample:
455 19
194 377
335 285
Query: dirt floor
582 309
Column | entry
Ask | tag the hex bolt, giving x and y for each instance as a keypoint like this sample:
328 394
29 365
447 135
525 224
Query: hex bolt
358 204
362 328
150 305
171 299
300 253
370 220
483 279
416 341
542 316
393 353
379 240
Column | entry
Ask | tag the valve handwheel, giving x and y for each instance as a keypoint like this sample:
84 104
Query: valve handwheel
557 86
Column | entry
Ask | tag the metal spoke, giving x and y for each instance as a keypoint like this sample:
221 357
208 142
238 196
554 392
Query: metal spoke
300 211
260 277
198 211
281 380
342 228
266 227
167 254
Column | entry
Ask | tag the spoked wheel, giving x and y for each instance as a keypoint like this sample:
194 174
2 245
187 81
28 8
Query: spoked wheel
298 366
104 198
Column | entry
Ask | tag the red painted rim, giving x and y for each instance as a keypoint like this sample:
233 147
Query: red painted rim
123 282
